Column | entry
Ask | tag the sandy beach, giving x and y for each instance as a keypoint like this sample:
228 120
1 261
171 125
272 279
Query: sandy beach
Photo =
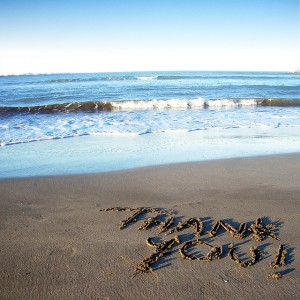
56 243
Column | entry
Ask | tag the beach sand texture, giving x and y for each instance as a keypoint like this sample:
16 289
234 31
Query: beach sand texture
57 244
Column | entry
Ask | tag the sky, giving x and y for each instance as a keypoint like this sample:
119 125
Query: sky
54 36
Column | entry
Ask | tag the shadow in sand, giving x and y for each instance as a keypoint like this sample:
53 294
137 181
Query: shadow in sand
185 237
208 223
163 262
262 248
289 257
287 271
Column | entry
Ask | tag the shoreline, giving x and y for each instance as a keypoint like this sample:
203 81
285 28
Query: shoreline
93 154
56 243
158 166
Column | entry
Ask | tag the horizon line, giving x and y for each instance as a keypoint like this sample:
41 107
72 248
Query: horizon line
296 71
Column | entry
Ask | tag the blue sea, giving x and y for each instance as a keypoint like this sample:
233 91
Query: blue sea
54 124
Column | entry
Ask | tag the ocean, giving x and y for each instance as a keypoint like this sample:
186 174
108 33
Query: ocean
54 124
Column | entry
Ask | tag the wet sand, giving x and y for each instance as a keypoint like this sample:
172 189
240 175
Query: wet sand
57 244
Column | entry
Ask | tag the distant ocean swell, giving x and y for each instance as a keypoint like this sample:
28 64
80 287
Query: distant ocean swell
95 106
79 78
159 77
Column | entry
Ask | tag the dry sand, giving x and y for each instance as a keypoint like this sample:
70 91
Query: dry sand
57 244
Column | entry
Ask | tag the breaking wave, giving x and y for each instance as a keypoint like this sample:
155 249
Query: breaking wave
199 103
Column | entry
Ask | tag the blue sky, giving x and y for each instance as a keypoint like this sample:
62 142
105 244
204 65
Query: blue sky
114 35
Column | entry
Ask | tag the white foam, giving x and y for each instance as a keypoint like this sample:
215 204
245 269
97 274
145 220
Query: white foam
231 103
221 103
146 77
196 103
159 104
114 134
247 102
182 103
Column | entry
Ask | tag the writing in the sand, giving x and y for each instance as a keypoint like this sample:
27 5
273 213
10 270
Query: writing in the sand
166 222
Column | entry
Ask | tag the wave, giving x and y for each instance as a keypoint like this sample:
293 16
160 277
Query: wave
199 103
146 77
67 80
94 77
108 78
203 76
161 77
89 106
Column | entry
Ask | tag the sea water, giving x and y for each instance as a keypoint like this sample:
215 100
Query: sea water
52 124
